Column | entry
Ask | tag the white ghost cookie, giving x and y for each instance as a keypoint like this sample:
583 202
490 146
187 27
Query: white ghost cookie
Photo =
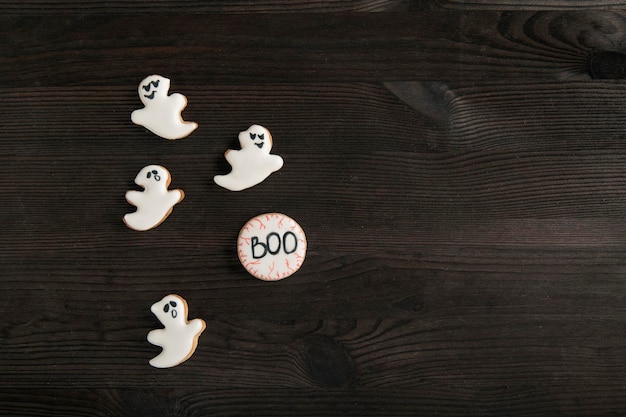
162 113
155 203
179 338
253 163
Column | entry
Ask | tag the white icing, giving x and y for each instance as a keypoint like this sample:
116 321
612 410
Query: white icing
162 113
156 202
271 246
179 338
253 163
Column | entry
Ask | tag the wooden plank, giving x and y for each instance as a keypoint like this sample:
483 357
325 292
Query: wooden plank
450 117
277 401
479 197
436 279
463 345
41 7
426 46
530 4
474 357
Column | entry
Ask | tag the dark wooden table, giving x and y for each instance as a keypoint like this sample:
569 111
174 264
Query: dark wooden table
459 168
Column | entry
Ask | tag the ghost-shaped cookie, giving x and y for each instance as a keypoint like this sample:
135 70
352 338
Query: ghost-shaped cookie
179 337
155 203
162 113
253 163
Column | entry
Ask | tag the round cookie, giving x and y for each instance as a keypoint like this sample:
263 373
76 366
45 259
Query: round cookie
271 246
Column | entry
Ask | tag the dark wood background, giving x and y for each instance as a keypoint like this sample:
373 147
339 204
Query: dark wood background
459 168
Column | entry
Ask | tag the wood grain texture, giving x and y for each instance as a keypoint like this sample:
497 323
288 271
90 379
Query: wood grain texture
530 4
424 46
39 7
42 7
459 176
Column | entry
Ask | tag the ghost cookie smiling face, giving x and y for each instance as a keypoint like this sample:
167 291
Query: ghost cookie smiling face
257 136
151 86
253 163
155 203
162 113
179 337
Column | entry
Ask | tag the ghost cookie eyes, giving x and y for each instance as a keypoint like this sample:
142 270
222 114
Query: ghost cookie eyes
152 85
155 203
173 304
154 172
253 163
179 337
162 112
261 136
